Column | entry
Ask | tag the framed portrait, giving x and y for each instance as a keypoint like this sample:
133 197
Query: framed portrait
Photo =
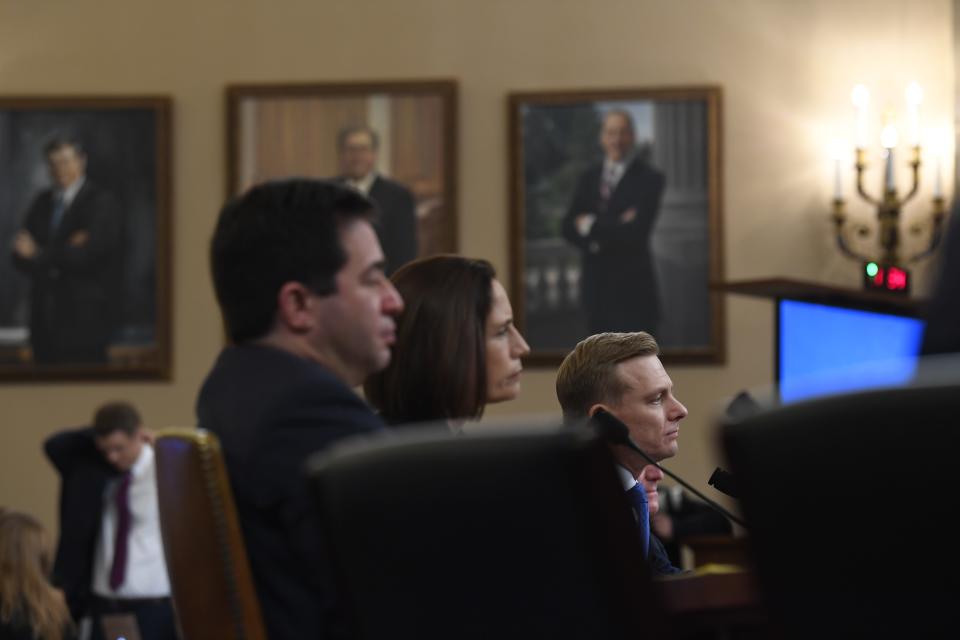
396 142
85 229
616 219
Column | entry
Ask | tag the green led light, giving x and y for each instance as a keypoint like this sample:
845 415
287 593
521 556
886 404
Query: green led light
872 269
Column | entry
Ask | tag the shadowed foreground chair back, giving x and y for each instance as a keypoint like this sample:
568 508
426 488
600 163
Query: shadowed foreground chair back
210 577
520 534
852 506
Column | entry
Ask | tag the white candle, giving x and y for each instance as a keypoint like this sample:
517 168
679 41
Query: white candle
888 138
889 182
938 180
837 149
837 180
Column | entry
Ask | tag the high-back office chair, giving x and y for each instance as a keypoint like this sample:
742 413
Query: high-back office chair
520 535
852 503
210 576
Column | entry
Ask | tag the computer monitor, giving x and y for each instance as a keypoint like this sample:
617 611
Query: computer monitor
824 349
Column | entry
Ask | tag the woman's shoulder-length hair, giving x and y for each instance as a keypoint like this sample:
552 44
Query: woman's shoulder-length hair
438 366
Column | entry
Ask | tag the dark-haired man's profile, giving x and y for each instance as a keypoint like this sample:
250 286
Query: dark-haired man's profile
396 222
299 276
69 248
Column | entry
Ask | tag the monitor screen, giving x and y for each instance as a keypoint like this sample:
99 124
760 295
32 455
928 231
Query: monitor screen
823 349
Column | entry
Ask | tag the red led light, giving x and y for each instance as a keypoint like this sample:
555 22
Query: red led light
888 278
896 279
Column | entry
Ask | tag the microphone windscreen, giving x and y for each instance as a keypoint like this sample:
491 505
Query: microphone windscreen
742 406
725 482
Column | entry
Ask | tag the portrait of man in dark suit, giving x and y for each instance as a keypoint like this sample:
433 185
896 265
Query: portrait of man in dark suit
614 207
616 214
396 222
69 248
84 237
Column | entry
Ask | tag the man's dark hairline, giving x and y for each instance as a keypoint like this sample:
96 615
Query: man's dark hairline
344 219
100 434
74 146
347 219
355 129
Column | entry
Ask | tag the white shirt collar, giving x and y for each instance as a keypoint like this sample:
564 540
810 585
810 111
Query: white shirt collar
71 192
629 482
619 167
144 460
364 184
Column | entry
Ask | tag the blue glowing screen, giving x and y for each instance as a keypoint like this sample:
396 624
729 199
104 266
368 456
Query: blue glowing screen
824 349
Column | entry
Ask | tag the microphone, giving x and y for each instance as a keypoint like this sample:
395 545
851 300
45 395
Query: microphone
724 482
614 431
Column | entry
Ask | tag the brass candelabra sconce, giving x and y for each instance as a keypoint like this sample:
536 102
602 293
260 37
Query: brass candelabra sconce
887 270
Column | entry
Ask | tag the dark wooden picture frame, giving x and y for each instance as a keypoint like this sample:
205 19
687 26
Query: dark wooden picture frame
643 260
284 130
92 301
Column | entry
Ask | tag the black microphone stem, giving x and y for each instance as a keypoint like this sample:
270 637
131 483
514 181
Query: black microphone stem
685 485
616 432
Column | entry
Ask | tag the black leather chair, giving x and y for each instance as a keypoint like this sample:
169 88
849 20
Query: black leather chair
210 577
522 534
852 506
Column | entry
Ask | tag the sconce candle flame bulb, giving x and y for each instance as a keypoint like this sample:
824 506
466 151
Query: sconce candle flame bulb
860 96
889 137
914 94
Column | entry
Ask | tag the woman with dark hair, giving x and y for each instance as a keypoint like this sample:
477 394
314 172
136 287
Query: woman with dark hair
30 607
456 349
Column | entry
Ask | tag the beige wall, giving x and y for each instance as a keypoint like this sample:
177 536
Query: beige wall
786 68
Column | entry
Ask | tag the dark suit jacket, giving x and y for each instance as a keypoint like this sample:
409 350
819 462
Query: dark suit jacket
271 411
396 223
75 290
83 478
619 283
658 561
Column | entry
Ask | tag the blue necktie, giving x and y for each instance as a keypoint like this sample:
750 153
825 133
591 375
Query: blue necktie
638 498
58 209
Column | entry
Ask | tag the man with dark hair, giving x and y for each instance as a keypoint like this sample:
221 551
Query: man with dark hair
396 224
110 555
610 219
69 247
298 273
621 373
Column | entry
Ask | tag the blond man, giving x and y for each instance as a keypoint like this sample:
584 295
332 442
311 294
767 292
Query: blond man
621 373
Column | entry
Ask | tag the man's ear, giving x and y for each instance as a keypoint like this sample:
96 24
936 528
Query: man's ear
293 307
598 407
148 436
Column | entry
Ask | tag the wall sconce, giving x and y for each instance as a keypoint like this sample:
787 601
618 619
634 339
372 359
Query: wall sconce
888 269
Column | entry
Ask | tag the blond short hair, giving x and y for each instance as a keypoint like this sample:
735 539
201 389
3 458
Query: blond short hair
588 374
